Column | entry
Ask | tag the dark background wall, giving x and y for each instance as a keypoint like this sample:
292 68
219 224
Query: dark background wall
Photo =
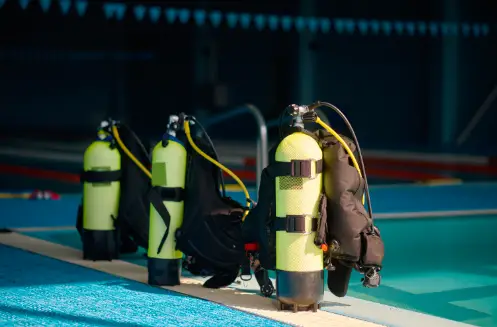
63 73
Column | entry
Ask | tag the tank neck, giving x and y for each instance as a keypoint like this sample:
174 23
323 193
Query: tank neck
104 136
170 137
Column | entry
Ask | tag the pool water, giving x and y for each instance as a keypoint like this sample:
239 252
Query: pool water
445 267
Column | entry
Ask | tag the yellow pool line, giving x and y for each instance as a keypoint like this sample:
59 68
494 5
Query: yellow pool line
233 298
15 195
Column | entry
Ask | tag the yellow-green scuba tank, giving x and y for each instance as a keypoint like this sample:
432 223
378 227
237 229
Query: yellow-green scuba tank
101 192
298 188
309 214
169 161
299 263
113 215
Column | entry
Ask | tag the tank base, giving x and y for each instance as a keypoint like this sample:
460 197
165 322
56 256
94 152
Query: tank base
100 245
299 289
164 272
296 308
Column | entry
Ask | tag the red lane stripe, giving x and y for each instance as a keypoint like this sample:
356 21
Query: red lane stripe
40 173
249 162
242 174
465 168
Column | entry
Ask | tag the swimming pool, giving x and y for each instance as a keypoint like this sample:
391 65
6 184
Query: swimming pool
440 266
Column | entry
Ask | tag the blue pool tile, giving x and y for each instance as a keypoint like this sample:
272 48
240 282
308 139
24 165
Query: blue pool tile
39 291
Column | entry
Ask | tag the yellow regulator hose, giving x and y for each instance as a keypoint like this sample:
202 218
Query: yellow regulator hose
186 126
115 132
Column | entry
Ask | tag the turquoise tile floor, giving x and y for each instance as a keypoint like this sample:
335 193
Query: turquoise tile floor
40 291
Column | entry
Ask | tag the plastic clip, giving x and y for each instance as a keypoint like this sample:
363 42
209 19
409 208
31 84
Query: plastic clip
372 278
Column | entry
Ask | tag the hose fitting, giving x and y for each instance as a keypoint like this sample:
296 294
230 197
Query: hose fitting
310 116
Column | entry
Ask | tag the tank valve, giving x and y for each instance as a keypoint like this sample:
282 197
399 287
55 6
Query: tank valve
296 112
173 125
104 128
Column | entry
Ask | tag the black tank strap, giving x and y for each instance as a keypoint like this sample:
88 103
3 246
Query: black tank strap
175 194
295 168
156 196
294 224
91 176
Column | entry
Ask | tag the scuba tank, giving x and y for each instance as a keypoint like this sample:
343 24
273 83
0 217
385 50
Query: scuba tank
209 234
195 217
285 220
310 214
298 184
169 160
101 191
114 177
